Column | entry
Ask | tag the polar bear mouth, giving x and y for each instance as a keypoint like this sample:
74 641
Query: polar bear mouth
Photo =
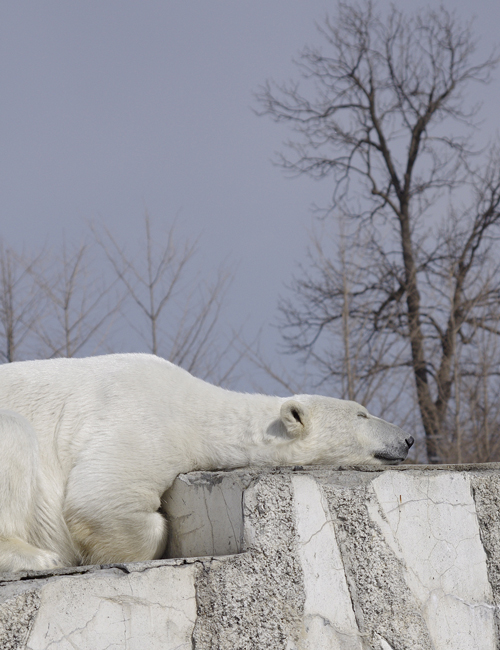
388 458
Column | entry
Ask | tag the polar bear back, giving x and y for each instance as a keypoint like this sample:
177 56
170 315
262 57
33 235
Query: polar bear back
106 406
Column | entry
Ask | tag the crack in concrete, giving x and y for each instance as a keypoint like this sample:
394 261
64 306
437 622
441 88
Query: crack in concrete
229 515
381 598
98 568
143 602
77 630
384 644
209 519
304 543
327 623
440 594
122 601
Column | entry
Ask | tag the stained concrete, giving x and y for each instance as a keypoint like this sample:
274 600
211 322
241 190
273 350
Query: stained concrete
327 622
149 605
403 558
256 599
17 615
486 493
384 605
435 529
214 529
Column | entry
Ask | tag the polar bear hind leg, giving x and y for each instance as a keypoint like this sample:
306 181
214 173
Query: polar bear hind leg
18 497
113 518
138 537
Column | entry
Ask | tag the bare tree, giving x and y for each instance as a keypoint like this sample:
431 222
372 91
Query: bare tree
79 305
180 310
472 433
327 320
384 114
19 304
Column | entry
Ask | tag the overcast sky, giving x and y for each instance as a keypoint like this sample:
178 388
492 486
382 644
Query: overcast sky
112 107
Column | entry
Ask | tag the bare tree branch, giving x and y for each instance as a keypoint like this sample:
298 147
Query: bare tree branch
79 307
20 304
182 313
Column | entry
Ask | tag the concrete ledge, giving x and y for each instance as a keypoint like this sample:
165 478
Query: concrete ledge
394 558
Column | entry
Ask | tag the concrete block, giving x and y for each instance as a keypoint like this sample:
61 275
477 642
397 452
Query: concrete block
205 514
150 607
403 558
327 622
434 524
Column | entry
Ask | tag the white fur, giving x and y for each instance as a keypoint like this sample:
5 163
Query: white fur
89 446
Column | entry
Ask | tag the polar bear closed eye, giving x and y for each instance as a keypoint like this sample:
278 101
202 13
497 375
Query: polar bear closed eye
89 447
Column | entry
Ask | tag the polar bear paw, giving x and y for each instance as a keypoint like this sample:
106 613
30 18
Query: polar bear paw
18 555
44 560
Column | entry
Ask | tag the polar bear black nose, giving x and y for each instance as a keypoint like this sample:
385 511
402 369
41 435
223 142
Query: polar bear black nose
409 441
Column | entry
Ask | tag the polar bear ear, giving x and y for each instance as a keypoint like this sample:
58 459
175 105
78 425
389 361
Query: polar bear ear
295 417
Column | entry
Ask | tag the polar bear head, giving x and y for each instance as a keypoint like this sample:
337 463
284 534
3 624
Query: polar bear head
324 430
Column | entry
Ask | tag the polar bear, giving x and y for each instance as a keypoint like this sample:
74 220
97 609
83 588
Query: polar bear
90 446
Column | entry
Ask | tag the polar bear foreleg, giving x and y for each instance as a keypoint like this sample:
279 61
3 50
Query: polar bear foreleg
18 555
18 497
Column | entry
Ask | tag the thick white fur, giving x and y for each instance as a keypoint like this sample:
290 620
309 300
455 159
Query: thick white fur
89 446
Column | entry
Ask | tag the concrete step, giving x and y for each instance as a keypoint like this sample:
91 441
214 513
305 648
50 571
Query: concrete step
292 558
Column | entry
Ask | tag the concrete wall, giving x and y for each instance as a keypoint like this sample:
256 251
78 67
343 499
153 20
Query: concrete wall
298 559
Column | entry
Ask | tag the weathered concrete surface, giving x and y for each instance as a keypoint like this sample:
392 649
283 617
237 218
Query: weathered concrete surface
404 558
435 529
17 615
486 493
216 528
147 606
256 599
328 622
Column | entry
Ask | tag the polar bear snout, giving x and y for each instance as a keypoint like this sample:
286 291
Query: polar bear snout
392 443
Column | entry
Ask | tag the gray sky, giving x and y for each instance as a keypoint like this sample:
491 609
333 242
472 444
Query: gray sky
109 108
